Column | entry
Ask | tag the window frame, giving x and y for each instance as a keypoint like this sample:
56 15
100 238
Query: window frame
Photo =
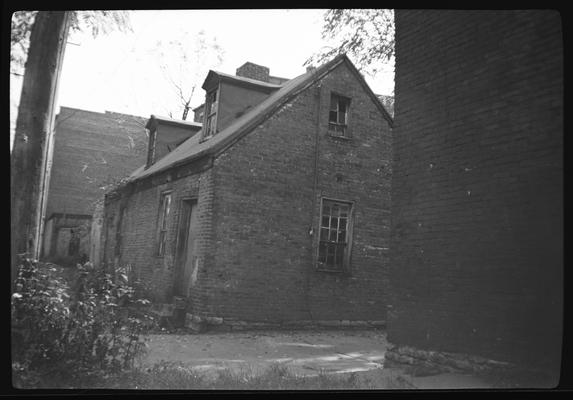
347 256
152 134
162 218
332 126
210 113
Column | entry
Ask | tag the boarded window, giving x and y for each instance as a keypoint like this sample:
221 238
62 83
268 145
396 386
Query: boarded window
334 240
338 115
164 209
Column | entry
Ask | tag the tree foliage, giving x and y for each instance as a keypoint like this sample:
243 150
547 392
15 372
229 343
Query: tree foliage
365 35
98 22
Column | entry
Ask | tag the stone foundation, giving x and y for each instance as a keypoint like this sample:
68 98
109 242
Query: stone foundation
200 324
413 359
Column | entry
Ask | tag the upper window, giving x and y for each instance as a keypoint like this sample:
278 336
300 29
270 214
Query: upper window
151 150
338 115
211 114
334 241
164 209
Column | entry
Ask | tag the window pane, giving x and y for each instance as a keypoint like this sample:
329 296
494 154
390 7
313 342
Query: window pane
168 204
213 107
339 257
333 116
330 260
335 209
333 234
341 106
333 222
333 103
322 252
332 237
330 249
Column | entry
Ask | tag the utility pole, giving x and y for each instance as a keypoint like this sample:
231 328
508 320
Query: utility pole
29 161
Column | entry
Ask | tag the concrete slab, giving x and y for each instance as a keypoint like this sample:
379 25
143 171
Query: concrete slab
305 353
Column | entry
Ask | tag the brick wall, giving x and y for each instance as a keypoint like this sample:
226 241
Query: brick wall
263 267
477 184
139 229
91 151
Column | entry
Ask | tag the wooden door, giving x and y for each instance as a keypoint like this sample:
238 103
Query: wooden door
186 254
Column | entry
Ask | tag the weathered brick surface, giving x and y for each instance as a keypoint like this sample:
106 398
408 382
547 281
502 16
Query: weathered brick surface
263 210
92 150
477 186
139 235
257 206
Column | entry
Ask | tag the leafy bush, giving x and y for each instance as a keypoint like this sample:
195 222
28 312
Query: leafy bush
66 332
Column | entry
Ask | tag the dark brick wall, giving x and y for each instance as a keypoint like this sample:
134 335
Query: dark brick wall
92 150
263 268
477 185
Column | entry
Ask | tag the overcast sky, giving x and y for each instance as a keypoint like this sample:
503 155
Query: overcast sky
120 71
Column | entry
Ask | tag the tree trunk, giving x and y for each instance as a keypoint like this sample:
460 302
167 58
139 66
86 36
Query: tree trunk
34 129
185 111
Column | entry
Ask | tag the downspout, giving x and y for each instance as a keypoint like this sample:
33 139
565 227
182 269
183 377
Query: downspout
314 195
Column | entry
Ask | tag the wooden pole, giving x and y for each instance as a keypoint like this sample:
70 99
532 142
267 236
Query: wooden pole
34 126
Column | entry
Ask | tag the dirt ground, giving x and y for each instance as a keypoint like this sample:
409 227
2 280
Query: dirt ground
305 353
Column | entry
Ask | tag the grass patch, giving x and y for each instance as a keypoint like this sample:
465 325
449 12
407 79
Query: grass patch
176 376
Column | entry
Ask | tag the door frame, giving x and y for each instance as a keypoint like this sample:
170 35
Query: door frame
178 273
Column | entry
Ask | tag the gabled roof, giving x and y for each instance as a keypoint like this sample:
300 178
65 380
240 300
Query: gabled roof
238 80
194 148
170 121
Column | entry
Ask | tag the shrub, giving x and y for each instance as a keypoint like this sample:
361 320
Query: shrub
67 332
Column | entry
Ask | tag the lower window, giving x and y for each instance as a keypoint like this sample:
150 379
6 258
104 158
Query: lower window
335 235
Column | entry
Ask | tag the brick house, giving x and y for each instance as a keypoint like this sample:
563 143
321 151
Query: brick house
477 188
91 150
276 212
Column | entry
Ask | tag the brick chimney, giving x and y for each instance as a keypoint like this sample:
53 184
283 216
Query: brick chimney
253 71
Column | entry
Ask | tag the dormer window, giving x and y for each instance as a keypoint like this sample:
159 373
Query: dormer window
338 115
211 114
152 134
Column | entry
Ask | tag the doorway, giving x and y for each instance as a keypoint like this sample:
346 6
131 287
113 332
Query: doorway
185 261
